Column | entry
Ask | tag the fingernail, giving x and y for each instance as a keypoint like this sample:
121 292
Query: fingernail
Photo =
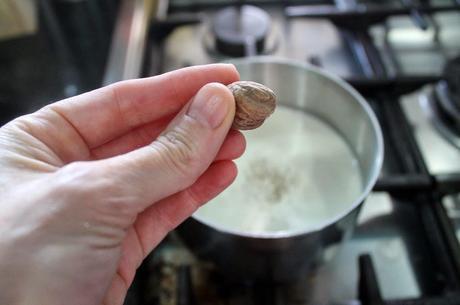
209 106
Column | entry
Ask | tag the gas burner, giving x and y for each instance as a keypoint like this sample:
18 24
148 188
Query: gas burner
441 109
452 76
449 105
443 103
240 31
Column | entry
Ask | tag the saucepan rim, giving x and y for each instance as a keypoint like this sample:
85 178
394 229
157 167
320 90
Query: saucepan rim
376 167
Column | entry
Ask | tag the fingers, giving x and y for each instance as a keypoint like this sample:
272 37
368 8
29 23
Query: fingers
104 114
180 154
155 222
232 148
117 291
136 138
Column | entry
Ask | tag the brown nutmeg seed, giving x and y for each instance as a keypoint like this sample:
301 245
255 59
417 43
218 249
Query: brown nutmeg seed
254 103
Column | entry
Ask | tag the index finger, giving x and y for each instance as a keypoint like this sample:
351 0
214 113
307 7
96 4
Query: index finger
105 114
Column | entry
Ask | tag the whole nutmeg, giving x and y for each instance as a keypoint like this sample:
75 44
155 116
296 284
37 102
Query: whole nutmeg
254 103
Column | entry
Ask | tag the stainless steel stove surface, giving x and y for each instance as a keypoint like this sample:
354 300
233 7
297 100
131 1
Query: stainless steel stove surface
439 154
382 232
405 248
283 41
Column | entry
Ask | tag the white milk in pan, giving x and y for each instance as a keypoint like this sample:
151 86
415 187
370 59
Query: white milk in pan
296 173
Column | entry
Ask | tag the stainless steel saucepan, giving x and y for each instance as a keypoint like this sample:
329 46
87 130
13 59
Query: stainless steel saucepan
301 182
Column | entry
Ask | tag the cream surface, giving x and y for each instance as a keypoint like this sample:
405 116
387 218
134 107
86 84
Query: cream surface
296 173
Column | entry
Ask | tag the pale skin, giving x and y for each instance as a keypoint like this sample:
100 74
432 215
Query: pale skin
90 185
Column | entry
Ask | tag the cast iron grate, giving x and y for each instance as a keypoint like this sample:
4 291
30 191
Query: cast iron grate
411 180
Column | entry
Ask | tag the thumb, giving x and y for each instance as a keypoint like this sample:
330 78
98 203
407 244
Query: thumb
186 148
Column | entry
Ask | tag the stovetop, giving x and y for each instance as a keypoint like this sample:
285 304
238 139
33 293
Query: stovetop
405 248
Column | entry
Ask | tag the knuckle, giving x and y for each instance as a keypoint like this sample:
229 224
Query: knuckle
194 201
165 220
179 153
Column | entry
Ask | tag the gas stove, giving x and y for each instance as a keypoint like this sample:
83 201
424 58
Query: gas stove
400 55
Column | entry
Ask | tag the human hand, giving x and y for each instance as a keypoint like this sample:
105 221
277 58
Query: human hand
91 184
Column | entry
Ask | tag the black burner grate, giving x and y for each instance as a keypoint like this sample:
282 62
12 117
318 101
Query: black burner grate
409 182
